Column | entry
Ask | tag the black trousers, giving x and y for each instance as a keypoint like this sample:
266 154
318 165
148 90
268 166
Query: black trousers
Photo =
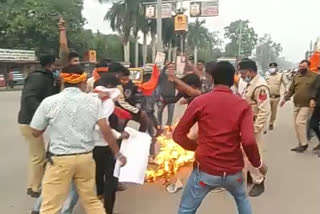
314 121
105 182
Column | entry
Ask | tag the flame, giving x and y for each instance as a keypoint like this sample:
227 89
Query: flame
169 160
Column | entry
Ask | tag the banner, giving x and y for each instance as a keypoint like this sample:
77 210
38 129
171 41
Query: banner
166 11
204 9
17 55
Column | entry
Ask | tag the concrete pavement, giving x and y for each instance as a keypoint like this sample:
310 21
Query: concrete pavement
292 183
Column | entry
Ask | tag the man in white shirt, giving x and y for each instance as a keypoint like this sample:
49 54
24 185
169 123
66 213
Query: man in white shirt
71 117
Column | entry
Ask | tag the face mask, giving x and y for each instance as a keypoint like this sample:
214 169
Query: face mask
247 79
303 70
272 70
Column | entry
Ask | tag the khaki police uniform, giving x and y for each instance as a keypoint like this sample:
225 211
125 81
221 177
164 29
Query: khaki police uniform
274 82
257 94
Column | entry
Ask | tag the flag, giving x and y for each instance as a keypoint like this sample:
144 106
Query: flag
315 61
147 88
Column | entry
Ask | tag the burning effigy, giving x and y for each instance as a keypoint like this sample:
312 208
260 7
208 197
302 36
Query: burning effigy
169 160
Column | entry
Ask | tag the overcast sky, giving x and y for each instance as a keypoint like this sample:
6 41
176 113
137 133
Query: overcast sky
288 21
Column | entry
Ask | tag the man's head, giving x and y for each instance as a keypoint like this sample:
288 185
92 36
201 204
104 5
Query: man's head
200 65
192 80
48 62
124 76
304 66
73 58
74 76
108 80
318 69
273 67
248 69
222 73
170 67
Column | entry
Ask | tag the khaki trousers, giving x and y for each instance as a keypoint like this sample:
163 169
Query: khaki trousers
36 158
301 115
58 176
256 175
274 109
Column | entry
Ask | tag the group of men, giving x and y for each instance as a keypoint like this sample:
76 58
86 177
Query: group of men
84 118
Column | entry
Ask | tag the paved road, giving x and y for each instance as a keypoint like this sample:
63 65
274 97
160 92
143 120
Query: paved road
292 184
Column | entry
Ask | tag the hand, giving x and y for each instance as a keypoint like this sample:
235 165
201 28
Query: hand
263 169
61 24
312 104
103 95
282 103
125 135
123 161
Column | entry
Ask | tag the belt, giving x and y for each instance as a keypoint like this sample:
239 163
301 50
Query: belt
275 96
50 155
62 155
197 166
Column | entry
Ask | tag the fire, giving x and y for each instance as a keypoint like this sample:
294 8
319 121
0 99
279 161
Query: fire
169 160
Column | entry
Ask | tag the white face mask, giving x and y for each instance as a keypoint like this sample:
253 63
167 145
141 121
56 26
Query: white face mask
272 70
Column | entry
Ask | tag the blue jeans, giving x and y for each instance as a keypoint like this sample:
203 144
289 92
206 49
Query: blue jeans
68 205
200 184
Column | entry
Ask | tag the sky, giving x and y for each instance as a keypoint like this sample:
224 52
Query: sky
293 23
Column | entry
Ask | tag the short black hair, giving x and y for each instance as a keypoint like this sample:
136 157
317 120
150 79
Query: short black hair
248 64
209 65
105 63
201 61
116 67
72 55
73 69
306 61
107 80
318 68
222 73
47 60
273 64
192 80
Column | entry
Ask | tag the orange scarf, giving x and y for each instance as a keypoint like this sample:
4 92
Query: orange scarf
147 88
74 78
96 72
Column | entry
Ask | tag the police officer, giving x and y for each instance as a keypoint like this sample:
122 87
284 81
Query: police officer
257 94
275 80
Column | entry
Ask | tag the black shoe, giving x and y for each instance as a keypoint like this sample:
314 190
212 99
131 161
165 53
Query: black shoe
270 127
34 212
257 190
29 191
316 148
249 179
33 194
301 149
295 148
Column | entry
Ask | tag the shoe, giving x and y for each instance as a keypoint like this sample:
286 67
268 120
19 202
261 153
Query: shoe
301 149
32 193
34 212
257 190
316 148
295 149
271 127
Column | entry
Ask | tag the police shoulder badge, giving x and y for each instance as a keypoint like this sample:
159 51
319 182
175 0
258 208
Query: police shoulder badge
262 95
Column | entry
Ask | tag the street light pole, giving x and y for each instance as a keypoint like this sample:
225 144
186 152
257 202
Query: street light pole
240 40
159 26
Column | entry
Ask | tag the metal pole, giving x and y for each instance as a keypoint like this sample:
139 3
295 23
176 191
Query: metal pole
240 40
159 26
181 45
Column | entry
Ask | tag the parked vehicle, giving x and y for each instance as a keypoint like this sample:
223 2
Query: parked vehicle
15 78
2 81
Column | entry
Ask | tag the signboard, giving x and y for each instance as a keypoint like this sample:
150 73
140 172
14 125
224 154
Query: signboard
180 63
17 55
160 59
166 11
181 23
204 9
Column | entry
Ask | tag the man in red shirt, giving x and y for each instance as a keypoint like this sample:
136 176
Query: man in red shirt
225 128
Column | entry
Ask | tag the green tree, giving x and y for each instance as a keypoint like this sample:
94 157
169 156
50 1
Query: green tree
267 51
199 37
243 39
32 24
